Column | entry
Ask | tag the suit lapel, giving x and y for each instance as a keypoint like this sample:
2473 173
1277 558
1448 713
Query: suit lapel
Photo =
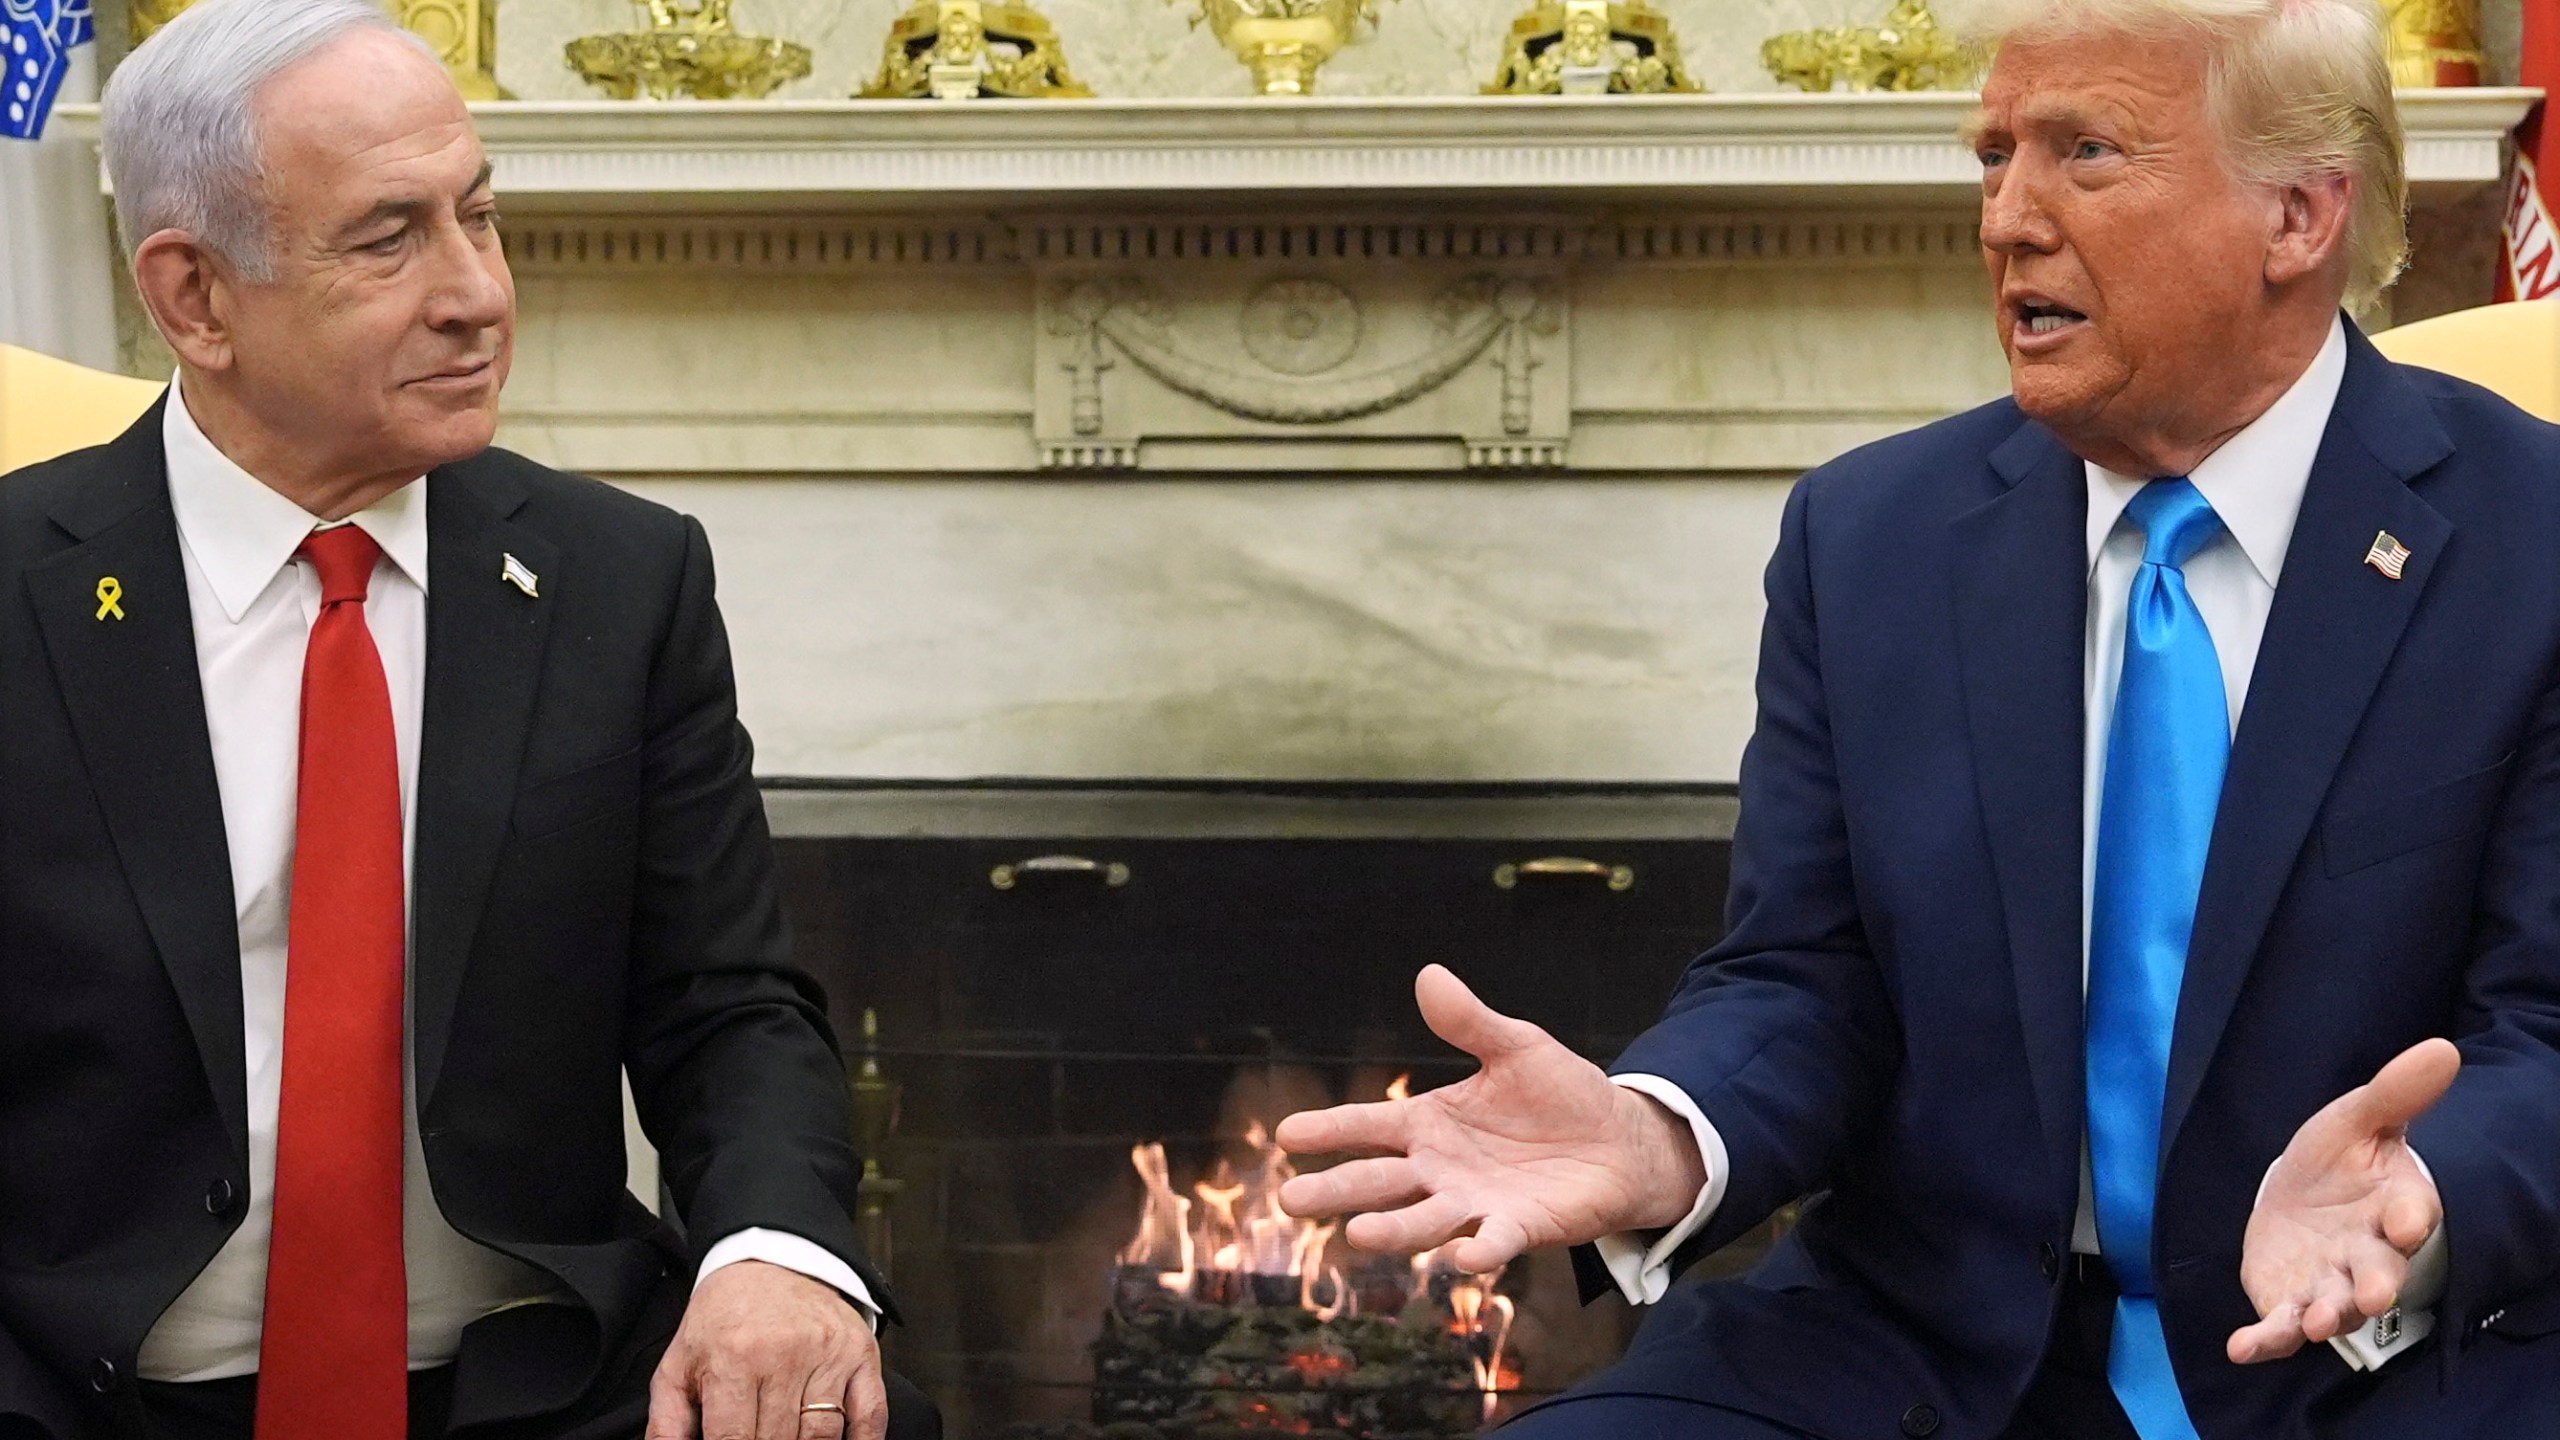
484 658
2330 636
2022 588
136 703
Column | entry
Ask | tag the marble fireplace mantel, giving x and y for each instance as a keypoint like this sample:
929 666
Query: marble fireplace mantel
1768 149
1368 440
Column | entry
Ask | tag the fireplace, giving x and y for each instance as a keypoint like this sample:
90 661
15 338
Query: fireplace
1096 1000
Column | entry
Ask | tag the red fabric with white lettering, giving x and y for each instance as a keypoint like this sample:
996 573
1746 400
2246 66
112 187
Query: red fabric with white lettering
334 1354
2529 242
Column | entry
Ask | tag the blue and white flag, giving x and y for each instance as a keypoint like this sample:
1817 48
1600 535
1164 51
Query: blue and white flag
36 39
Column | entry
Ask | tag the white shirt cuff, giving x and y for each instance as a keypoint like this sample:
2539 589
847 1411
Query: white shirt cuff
2380 1340
793 1253
1642 1270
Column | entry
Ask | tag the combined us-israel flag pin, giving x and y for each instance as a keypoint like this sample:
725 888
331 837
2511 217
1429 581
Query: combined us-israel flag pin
2388 555
515 573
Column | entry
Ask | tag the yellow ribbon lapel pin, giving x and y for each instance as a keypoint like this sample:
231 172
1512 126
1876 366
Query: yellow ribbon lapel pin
111 599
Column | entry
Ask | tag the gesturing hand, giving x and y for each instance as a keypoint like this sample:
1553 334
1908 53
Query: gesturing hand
1537 1148
757 1343
2343 1210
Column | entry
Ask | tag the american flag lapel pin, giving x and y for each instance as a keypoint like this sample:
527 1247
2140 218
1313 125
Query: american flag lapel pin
515 573
2388 555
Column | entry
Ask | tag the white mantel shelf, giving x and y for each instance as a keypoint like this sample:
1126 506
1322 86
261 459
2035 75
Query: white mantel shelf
1766 149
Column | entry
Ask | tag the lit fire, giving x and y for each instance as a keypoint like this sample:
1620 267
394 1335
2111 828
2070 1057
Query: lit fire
1237 1246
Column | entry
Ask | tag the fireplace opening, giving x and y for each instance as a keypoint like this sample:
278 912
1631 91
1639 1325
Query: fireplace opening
1088 1024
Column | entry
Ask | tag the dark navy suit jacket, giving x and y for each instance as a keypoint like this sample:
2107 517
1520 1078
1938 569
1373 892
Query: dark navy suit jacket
1894 1021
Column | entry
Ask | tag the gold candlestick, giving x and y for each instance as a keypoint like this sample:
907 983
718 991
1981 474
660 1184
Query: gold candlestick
962 49
2435 43
1285 41
691 51
1592 47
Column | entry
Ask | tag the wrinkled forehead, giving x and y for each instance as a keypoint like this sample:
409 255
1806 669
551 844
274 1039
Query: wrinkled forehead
2093 80
364 121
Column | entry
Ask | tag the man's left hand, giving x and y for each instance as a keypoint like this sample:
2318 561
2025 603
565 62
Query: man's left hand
2343 1211
758 1342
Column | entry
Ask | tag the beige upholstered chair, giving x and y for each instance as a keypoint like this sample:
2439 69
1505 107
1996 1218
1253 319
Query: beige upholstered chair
2512 349
49 406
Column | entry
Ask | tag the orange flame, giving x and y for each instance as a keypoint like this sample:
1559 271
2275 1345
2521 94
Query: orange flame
1164 1227
1213 1251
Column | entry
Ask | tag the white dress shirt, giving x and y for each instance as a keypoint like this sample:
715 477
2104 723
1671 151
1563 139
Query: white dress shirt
2255 483
253 605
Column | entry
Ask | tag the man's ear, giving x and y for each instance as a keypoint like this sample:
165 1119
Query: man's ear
185 288
2311 228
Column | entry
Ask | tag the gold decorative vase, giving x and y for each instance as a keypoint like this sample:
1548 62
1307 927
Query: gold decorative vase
687 51
1592 47
962 49
465 36
2435 43
1285 41
1908 50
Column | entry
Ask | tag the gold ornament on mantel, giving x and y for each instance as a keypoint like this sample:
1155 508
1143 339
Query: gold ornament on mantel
145 17
962 49
690 51
2435 43
1592 47
463 33
1285 41
465 36
1909 50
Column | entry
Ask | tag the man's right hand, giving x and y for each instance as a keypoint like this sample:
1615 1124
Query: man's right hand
1538 1148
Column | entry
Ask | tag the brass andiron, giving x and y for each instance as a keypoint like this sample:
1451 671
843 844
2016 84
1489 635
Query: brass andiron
875 1119
962 49
1592 47
2435 43
687 50
1285 41
465 36
1907 51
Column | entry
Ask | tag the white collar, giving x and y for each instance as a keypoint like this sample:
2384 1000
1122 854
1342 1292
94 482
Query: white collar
241 532
2256 480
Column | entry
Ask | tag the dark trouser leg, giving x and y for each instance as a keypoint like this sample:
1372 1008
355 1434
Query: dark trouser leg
1639 1417
228 1409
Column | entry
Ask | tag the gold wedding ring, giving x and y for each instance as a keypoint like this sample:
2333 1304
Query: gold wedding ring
822 1407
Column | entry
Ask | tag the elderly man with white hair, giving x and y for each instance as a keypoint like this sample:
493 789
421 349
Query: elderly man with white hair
2144 958
373 801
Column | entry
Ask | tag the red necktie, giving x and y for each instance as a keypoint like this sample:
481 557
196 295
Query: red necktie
334 1354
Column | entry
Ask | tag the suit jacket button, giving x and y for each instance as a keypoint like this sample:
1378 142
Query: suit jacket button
102 1376
219 1198
1920 1421
2049 1260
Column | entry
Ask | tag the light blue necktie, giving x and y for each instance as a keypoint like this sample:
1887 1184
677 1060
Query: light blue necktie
2166 751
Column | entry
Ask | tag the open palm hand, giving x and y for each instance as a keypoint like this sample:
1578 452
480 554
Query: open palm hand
2345 1208
1537 1148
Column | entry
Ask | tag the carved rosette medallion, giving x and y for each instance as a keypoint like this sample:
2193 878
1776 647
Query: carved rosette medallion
1301 327
1298 379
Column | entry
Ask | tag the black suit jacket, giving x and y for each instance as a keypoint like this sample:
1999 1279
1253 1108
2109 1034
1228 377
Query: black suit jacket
592 889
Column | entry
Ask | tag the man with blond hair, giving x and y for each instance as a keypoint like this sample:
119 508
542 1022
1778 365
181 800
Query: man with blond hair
372 802
2145 931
